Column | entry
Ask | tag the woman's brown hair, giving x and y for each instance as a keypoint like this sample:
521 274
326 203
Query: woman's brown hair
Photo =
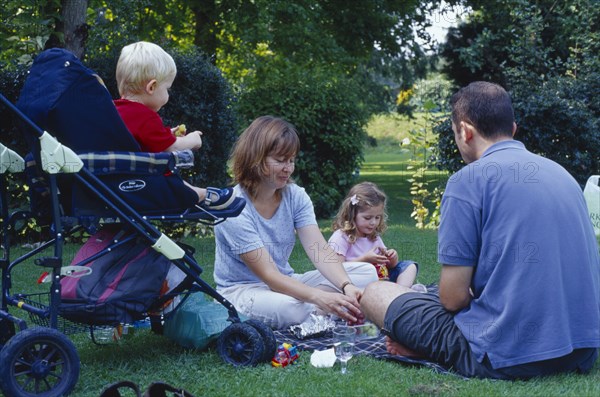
266 136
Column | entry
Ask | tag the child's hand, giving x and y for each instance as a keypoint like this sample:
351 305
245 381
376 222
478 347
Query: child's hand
193 140
180 130
392 256
375 256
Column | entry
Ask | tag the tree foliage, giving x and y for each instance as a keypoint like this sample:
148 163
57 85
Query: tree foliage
336 60
546 53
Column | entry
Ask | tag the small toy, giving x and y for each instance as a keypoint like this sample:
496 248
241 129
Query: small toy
180 130
382 271
285 355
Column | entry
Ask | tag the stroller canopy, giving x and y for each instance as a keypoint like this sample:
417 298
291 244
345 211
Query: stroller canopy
68 100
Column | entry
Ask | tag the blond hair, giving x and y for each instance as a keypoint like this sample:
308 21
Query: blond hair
266 136
360 197
141 62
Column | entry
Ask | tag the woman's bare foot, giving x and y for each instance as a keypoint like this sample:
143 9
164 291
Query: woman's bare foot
397 349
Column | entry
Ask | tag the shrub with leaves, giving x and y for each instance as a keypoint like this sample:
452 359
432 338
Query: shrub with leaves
326 112
556 120
12 78
546 54
422 197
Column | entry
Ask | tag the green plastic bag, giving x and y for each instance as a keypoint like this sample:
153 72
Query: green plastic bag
197 322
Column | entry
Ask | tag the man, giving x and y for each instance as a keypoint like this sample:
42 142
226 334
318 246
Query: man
519 288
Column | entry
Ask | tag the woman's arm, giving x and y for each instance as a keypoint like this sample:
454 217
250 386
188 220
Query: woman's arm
330 264
261 263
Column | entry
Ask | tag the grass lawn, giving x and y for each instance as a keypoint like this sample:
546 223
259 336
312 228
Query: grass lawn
144 357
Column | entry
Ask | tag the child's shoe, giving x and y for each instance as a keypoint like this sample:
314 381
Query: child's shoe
218 199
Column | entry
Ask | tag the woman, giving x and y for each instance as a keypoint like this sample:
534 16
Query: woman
252 250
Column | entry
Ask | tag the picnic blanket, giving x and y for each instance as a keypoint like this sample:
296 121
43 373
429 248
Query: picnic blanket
374 347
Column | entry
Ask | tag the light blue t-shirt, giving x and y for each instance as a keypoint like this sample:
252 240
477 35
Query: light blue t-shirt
250 231
521 221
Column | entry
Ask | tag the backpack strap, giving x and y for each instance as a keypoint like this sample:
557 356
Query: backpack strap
160 389
113 389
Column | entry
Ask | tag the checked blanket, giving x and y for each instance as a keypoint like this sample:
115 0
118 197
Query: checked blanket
374 347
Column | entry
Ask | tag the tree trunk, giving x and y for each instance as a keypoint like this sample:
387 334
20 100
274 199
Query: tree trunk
71 30
205 15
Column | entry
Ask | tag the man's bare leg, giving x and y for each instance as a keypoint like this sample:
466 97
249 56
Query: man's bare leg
374 303
377 297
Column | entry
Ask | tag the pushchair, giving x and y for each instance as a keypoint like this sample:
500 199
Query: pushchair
86 173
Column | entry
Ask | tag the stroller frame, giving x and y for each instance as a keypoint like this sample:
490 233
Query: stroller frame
43 360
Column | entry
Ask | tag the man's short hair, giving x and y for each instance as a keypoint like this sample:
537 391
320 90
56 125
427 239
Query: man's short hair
141 62
486 106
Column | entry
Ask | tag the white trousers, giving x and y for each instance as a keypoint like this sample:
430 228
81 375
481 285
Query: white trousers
278 310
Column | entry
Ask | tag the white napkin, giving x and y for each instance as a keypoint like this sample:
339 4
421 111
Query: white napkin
323 358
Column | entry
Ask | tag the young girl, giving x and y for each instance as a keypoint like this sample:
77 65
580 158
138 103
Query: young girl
358 226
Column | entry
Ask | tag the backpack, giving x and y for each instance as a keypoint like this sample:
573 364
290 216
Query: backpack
124 283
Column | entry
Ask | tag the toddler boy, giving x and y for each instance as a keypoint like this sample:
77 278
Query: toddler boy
145 73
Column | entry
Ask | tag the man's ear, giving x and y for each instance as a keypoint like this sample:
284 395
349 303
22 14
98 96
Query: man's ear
466 130
514 130
151 86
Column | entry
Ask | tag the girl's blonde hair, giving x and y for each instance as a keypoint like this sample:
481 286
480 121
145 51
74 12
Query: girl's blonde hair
266 136
141 62
360 197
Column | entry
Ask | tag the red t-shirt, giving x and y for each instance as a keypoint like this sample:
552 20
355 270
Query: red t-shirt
145 125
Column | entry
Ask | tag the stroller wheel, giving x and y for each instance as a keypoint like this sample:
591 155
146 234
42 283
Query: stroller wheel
268 337
240 344
38 362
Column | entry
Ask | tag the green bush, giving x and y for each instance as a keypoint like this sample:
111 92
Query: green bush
324 108
201 99
546 53
559 120
446 155
12 78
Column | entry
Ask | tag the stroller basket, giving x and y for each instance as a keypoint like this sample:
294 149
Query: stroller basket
42 301
68 326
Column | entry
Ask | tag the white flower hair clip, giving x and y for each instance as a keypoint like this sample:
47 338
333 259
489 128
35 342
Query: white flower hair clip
354 200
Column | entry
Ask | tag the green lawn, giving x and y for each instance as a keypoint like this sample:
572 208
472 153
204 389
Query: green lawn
144 357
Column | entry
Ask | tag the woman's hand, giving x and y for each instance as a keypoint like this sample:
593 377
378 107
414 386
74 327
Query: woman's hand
343 306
